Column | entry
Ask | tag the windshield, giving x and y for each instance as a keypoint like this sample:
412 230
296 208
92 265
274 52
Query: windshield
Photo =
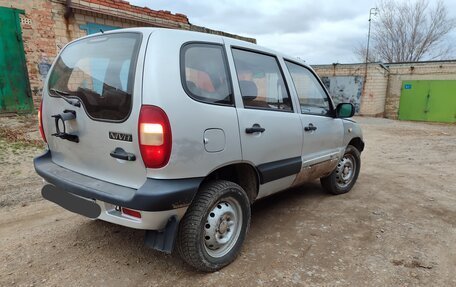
100 72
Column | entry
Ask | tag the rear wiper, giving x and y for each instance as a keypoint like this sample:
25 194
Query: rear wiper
62 95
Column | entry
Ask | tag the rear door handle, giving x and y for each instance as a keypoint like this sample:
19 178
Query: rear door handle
256 128
121 154
310 128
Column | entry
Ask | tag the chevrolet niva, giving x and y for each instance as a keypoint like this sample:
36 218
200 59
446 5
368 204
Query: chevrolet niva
178 133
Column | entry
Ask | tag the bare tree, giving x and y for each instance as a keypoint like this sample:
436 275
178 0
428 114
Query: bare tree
406 31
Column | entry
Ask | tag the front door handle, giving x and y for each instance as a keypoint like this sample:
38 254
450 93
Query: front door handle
256 128
121 154
310 128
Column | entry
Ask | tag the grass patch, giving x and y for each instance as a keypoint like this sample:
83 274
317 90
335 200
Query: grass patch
17 139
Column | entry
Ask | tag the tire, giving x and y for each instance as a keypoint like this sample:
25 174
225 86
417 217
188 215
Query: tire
220 212
339 182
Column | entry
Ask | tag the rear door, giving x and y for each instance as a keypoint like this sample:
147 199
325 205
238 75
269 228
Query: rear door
323 133
103 74
270 131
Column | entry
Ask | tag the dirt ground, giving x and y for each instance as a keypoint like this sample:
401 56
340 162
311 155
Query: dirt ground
397 227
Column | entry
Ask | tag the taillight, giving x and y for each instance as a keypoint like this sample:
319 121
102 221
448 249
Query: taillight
40 121
155 138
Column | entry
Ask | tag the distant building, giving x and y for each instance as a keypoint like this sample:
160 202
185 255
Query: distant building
33 31
421 91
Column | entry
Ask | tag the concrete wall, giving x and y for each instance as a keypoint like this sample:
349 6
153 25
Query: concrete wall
445 70
375 84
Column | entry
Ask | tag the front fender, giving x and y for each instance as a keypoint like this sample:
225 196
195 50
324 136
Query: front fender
353 132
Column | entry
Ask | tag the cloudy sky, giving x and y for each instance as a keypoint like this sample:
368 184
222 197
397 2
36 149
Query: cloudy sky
319 32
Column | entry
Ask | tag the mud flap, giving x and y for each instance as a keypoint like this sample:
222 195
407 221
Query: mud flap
163 240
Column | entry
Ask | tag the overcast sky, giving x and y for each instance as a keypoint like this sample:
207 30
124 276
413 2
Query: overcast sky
319 32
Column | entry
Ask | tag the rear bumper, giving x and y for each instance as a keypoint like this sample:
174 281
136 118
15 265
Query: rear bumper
96 209
157 198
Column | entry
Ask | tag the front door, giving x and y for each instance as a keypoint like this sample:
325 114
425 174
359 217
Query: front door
323 133
15 94
270 131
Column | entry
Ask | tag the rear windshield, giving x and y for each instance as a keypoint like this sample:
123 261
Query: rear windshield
99 71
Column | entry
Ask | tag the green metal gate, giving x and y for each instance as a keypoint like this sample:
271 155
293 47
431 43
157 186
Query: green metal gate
432 101
15 94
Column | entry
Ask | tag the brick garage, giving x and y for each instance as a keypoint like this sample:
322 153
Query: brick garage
47 25
437 70
372 102
382 89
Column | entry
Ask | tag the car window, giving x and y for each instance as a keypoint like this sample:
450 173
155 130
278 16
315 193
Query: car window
98 69
261 81
100 72
205 73
312 97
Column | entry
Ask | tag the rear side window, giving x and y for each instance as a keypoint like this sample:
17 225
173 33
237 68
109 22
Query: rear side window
261 81
100 72
205 73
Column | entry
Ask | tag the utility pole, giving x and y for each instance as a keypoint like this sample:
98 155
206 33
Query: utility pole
372 12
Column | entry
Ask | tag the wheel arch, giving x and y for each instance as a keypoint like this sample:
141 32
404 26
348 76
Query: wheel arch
358 143
242 173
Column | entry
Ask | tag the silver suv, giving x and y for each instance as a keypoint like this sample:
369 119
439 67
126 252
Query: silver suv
178 133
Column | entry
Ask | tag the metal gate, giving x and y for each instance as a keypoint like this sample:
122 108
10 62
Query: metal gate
432 101
15 94
345 89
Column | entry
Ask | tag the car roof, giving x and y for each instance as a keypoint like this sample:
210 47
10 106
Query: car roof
205 37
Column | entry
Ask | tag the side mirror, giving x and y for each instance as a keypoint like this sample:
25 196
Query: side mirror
345 110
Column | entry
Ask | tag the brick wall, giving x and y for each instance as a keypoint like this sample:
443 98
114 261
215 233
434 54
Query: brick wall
374 96
414 71
124 8
69 29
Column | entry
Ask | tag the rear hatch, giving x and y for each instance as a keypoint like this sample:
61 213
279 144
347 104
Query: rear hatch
101 75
